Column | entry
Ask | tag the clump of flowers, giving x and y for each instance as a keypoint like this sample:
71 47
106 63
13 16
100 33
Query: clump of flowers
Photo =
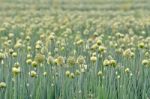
80 60
59 60
128 53
39 58
71 60
113 62
110 62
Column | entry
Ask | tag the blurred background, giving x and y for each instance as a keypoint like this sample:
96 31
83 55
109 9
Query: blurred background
101 6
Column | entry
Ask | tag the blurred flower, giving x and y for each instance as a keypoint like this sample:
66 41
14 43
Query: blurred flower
113 62
14 54
34 63
128 53
72 75
145 62
50 60
29 61
33 74
80 60
67 73
2 85
141 45
127 70
45 73
106 62
39 58
93 59
77 72
100 73
1 56
71 60
59 60
16 70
